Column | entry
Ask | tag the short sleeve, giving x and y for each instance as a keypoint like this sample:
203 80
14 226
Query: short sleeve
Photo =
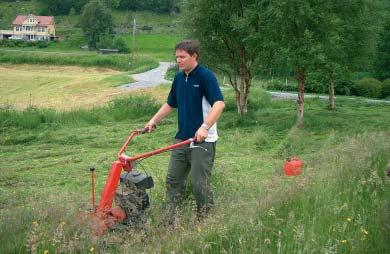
212 91
172 98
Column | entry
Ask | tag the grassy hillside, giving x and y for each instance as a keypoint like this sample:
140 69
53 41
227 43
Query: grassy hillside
339 205
151 46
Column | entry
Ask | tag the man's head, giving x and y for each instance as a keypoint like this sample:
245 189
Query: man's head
187 54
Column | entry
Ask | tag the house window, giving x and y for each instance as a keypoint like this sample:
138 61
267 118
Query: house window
41 29
29 28
18 28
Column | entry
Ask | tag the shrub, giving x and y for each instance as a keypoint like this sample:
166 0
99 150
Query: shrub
317 82
42 44
120 44
105 41
280 85
171 72
344 87
368 87
386 89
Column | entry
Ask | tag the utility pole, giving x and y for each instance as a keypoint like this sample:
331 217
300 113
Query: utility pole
133 42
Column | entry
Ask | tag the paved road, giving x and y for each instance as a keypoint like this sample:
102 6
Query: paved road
293 96
155 77
152 78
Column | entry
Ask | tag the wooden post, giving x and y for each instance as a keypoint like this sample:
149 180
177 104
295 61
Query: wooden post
133 42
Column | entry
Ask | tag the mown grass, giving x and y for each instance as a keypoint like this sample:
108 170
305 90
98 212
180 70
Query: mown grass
339 205
59 87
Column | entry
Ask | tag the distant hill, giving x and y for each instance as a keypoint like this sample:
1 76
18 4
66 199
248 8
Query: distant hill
147 21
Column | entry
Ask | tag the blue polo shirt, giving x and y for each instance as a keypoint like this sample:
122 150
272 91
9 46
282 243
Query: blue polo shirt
191 94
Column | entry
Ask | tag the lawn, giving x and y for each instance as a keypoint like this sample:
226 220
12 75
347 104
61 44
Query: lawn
340 204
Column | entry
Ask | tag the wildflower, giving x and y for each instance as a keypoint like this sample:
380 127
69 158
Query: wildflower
46 252
199 229
35 223
62 223
349 219
91 249
365 232
343 241
267 241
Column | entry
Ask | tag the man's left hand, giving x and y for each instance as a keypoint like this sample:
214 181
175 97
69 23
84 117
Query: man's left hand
201 134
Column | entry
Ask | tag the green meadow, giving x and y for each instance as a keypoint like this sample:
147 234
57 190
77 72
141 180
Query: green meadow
61 113
340 204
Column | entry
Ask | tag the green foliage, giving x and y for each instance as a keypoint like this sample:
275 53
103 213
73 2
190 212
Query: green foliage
121 109
60 7
161 6
96 20
171 72
229 35
382 62
316 82
280 85
118 62
344 87
368 87
386 89
23 43
105 41
120 44
63 7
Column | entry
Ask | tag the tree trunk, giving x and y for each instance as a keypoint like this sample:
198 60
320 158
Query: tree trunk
242 99
301 77
331 105
245 79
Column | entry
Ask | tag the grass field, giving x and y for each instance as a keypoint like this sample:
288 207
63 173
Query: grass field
63 87
339 205
25 86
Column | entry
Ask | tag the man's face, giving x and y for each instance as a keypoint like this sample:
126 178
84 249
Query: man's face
185 61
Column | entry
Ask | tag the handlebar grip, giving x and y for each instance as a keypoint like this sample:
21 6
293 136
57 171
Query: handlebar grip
142 130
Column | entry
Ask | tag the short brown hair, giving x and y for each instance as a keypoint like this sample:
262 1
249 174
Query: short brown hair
189 46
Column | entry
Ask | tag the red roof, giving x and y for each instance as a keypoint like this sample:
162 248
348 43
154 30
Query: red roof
42 20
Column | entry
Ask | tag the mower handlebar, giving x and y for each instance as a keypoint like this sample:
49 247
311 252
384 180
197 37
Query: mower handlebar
143 131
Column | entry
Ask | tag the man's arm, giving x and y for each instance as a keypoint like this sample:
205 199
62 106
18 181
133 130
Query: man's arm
161 113
213 116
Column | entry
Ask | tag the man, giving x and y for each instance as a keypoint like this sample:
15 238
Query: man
199 101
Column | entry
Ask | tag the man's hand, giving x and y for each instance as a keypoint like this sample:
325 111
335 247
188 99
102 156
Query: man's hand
151 125
201 134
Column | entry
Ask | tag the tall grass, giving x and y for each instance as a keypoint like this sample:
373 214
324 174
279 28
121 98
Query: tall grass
119 109
339 205
118 62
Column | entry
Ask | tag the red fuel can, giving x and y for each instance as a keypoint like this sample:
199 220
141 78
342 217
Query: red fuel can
293 166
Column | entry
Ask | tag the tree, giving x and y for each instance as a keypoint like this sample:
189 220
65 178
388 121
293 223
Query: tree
96 20
294 24
382 63
319 33
348 39
229 35
55 7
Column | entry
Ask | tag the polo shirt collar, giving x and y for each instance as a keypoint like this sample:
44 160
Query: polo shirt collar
194 71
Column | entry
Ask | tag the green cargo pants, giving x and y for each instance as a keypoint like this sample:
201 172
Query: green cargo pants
197 162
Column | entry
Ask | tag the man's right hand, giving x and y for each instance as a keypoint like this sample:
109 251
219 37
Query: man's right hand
151 126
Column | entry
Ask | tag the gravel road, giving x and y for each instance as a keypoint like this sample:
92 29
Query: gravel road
152 78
